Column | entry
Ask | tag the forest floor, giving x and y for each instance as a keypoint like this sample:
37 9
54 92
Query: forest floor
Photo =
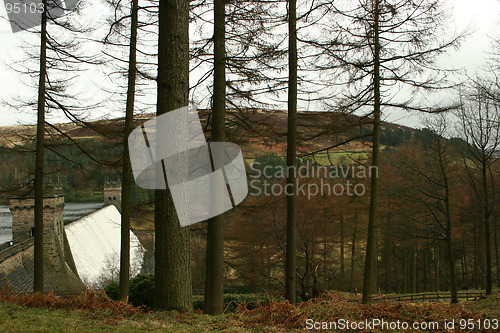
92 313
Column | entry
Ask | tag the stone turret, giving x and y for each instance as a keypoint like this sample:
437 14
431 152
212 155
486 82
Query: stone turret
113 193
23 222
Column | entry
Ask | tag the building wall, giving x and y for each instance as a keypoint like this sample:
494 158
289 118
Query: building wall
16 261
113 193
23 217
16 271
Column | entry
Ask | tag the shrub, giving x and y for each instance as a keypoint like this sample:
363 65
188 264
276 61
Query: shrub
112 289
198 304
141 292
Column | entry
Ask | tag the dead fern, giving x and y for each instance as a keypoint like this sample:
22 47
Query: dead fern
88 300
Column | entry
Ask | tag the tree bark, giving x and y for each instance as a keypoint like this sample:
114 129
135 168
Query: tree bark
173 289
38 279
405 270
448 234
486 225
353 252
126 167
451 268
414 270
372 217
291 200
387 252
497 254
437 258
214 295
342 250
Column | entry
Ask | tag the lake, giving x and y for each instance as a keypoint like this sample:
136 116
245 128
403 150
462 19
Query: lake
72 212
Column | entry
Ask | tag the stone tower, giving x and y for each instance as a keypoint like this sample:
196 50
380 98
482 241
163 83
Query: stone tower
23 222
112 193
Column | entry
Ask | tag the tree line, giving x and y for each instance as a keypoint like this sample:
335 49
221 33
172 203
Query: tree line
369 58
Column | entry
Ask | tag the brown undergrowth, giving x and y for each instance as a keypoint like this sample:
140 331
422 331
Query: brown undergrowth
286 315
87 300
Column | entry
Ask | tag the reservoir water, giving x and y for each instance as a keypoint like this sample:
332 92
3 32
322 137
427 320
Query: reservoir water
72 211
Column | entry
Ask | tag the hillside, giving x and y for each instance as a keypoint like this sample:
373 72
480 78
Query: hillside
83 155
257 131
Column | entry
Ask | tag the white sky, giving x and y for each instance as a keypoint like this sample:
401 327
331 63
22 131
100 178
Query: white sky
481 16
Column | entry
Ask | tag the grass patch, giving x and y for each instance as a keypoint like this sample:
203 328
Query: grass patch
15 318
489 305
94 312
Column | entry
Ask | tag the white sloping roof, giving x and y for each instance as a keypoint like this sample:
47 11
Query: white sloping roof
95 244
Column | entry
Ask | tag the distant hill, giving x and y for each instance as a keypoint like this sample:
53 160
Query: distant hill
74 150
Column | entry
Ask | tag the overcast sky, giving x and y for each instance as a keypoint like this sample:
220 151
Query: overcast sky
482 16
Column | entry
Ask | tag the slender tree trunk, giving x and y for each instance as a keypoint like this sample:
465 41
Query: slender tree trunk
497 253
353 253
405 272
395 270
173 290
486 228
476 258
465 270
38 280
437 254
371 241
214 295
426 269
451 268
482 255
448 231
414 271
387 253
127 168
342 250
291 200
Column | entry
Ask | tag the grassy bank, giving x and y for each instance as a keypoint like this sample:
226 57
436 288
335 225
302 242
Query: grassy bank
93 312
15 318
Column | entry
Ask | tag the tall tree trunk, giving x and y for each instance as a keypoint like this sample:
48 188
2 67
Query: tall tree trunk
486 227
387 252
38 281
371 241
173 289
353 252
482 255
405 271
451 268
214 295
426 269
395 270
126 167
476 269
448 232
437 258
465 270
497 254
342 250
414 270
291 200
